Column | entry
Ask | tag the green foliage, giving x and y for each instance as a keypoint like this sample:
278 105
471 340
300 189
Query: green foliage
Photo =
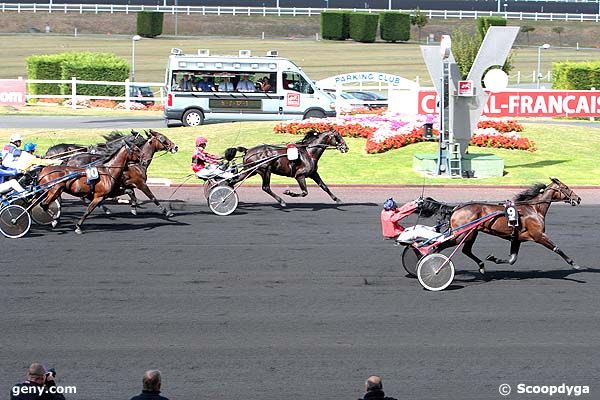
526 29
465 47
419 19
482 24
44 67
363 27
394 26
569 75
149 23
84 66
335 25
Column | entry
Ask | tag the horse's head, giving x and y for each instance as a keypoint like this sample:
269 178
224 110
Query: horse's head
334 139
561 192
162 142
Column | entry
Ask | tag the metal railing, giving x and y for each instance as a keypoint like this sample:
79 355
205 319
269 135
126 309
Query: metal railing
281 11
128 99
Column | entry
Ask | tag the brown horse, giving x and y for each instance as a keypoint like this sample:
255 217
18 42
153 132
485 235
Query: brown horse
532 206
135 174
107 183
310 150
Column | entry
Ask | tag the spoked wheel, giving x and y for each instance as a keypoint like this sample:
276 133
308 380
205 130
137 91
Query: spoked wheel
435 272
410 259
208 185
43 217
14 221
222 200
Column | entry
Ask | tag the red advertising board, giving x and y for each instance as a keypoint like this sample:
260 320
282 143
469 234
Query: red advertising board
529 103
293 100
12 92
465 88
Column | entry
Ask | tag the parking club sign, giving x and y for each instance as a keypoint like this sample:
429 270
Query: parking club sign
12 92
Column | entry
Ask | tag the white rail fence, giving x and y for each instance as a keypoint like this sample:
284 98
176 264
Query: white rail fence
128 99
279 11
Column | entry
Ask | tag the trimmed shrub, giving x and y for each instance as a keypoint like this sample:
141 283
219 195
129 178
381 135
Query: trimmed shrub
394 26
568 75
44 67
149 23
335 25
363 27
95 67
483 23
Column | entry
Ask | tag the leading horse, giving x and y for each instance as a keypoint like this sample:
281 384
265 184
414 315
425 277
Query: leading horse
310 150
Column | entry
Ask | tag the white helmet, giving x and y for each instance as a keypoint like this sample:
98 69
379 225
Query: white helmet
15 138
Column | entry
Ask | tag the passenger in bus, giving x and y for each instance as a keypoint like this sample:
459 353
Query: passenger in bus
245 85
186 83
265 85
226 85
205 85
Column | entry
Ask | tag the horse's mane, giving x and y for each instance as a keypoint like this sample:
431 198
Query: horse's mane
309 137
529 193
115 140
430 207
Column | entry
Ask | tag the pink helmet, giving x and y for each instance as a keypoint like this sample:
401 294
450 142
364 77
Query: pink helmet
201 140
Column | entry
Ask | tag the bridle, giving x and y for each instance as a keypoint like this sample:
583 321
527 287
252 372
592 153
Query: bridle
568 195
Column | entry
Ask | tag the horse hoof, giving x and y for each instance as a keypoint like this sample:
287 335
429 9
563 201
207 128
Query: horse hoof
78 231
287 192
575 266
482 270
282 204
169 214
107 212
54 223
337 201
134 211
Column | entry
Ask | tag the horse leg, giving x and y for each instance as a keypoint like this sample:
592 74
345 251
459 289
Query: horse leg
266 186
468 251
146 190
95 201
545 241
515 244
132 200
302 183
53 194
317 178
104 208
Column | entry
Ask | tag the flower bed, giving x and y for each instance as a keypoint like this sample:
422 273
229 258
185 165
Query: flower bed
392 131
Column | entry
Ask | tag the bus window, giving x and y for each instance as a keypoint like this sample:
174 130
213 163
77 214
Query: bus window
297 83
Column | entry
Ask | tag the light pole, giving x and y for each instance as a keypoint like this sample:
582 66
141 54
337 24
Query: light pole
545 46
176 18
133 40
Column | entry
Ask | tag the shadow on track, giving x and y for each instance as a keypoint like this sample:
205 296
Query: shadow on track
508 275
303 206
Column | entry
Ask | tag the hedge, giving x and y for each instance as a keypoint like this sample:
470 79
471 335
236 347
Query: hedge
85 66
363 27
394 26
44 67
483 23
149 23
567 75
335 25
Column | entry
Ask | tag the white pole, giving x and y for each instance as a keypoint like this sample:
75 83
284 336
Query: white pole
73 92
539 61
176 19
127 93
133 60
389 4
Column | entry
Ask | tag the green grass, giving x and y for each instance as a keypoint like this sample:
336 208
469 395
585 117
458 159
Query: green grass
316 58
567 152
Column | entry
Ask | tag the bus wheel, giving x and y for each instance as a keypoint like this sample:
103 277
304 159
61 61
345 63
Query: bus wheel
193 117
314 114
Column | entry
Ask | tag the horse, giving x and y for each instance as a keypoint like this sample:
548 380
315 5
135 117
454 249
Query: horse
104 187
531 205
310 150
135 174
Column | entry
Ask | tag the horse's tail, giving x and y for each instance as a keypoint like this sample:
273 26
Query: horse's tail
231 152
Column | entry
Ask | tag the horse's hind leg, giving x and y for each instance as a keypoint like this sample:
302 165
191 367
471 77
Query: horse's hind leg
468 250
146 190
302 183
545 241
317 178
133 201
514 253
105 209
93 204
266 186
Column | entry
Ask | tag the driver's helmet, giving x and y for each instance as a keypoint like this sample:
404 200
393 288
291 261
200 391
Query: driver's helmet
389 204
15 138
201 140
29 147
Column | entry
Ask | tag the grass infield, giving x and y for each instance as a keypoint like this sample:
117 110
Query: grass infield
567 152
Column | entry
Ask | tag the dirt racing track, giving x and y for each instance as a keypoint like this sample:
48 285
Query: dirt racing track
299 303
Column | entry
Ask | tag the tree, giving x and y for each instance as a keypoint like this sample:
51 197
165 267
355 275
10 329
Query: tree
465 47
558 30
419 20
526 29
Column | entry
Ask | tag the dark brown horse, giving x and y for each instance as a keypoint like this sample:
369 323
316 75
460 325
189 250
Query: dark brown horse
107 183
532 206
135 174
310 150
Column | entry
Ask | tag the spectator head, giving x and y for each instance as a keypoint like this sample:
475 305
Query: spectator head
373 383
151 381
186 76
36 373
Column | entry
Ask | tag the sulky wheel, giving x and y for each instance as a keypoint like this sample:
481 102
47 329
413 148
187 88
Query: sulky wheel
410 259
208 185
14 221
43 217
222 200
435 272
